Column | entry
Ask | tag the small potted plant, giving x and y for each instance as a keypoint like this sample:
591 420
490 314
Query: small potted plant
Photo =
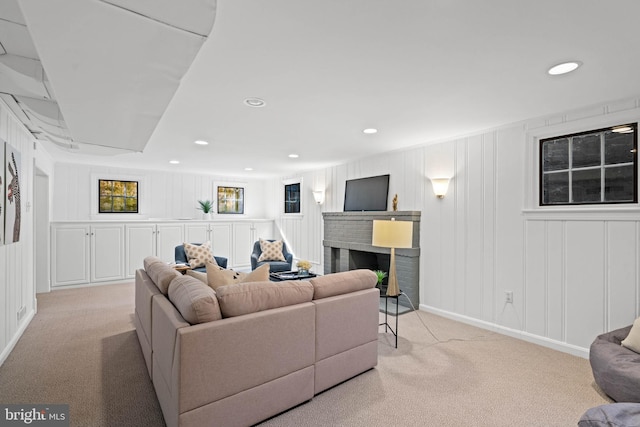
303 267
381 275
206 206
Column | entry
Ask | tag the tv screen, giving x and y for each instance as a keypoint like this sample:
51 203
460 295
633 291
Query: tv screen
367 194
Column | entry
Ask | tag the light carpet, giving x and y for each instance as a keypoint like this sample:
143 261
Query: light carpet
81 349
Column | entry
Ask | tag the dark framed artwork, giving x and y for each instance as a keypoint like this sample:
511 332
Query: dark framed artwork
116 196
230 200
13 206
292 198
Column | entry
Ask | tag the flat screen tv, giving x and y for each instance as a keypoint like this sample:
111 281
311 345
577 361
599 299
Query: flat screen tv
366 194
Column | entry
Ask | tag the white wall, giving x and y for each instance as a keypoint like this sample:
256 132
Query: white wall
163 195
574 273
17 288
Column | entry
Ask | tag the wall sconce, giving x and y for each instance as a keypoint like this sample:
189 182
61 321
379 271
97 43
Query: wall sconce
440 186
318 196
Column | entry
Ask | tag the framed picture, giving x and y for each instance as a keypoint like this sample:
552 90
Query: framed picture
117 196
230 200
2 197
13 207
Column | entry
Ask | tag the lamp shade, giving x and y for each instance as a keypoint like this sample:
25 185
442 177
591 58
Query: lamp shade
392 234
318 196
440 186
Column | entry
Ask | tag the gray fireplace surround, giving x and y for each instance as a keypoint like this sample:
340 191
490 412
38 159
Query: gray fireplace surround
347 246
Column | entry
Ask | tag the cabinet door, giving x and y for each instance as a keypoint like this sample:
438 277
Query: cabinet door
69 255
263 229
221 241
196 233
107 252
242 244
140 242
168 236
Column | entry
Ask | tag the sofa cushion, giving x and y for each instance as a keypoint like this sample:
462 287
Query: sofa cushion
250 297
161 274
632 341
196 302
343 283
198 255
271 251
151 260
218 276
611 415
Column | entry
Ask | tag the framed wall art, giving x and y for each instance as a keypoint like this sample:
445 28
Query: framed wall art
13 207
230 200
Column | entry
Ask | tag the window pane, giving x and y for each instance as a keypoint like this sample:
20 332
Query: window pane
586 151
555 154
118 204
105 188
586 186
105 204
131 204
556 188
618 147
618 184
132 189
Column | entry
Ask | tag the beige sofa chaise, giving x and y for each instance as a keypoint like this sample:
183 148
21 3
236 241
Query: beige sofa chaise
251 350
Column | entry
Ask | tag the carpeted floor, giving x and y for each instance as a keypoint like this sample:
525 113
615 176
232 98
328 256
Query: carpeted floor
81 349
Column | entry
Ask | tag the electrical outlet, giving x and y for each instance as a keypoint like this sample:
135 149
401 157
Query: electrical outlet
508 297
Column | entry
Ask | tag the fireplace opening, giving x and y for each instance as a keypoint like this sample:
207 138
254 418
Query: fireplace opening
370 261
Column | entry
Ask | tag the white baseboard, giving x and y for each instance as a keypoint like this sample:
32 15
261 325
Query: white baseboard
525 336
14 340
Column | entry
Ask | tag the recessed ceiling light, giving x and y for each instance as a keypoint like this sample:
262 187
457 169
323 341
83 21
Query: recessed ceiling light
564 68
255 102
248 169
201 142
370 131
174 162
293 156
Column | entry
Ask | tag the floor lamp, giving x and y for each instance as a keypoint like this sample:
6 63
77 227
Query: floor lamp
392 234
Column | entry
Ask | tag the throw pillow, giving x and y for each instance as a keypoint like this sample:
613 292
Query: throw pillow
632 342
218 276
245 298
196 302
271 251
198 255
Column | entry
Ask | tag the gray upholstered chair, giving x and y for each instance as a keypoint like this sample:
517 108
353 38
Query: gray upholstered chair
274 266
181 258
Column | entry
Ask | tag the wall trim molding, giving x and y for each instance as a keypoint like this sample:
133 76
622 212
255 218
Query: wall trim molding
525 336
16 337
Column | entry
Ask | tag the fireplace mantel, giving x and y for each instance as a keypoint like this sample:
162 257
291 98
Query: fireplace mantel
347 236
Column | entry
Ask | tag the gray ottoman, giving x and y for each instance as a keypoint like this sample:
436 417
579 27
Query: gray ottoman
612 415
616 369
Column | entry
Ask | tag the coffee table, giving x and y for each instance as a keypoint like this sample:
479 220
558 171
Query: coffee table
290 275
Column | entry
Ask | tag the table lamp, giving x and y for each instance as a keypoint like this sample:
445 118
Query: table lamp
392 234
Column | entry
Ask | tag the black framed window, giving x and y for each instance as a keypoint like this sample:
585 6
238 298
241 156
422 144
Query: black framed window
593 167
117 196
292 198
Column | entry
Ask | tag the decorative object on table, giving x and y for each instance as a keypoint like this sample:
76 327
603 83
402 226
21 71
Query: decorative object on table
303 267
395 203
290 275
206 206
381 276
392 234
13 207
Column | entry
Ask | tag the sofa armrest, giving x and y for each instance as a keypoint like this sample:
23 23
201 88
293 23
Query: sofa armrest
254 261
222 261
228 356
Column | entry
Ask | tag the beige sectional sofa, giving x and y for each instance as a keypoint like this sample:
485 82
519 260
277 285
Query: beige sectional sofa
251 350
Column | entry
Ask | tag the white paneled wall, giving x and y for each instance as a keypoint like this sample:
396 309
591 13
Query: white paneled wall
163 195
17 285
574 274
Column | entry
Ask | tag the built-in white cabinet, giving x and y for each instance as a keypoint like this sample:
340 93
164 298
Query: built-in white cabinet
92 252
83 253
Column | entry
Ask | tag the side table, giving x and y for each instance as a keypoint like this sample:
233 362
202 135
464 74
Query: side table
386 314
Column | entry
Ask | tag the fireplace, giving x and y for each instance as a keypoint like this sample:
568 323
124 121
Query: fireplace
347 246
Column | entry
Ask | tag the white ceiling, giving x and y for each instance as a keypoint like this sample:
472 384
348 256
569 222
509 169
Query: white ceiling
419 71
